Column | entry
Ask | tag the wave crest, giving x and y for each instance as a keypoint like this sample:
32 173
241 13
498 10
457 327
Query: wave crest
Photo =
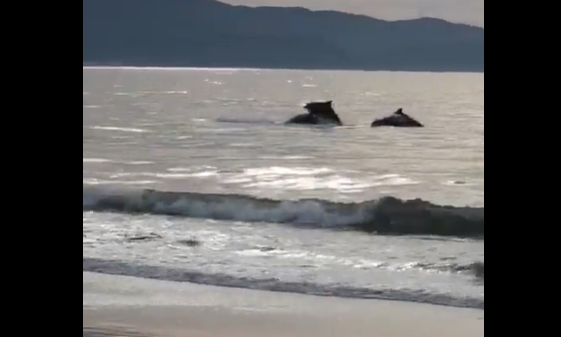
387 215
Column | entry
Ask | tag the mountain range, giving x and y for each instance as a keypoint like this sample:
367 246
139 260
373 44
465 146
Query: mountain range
209 33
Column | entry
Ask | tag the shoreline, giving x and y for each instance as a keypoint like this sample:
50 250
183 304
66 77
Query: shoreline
130 306
226 68
166 273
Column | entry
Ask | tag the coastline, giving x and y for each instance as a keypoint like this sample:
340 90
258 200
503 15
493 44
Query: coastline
130 306
126 66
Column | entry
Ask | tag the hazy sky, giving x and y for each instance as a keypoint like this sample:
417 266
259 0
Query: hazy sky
465 11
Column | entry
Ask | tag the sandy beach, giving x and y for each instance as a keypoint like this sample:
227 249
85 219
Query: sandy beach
129 306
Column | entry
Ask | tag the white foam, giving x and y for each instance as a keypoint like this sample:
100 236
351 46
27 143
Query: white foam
393 180
192 169
95 160
278 170
164 175
168 92
115 128
455 183
287 157
93 181
139 162
125 94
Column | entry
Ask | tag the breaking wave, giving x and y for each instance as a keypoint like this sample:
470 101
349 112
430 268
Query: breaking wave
387 215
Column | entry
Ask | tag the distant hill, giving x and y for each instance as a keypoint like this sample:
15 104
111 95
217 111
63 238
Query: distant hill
208 33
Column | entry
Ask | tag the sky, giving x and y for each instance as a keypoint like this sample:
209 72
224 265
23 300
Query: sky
464 11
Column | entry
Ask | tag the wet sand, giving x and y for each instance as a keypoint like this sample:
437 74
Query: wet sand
129 306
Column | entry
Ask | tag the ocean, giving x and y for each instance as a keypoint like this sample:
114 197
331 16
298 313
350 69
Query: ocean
190 175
